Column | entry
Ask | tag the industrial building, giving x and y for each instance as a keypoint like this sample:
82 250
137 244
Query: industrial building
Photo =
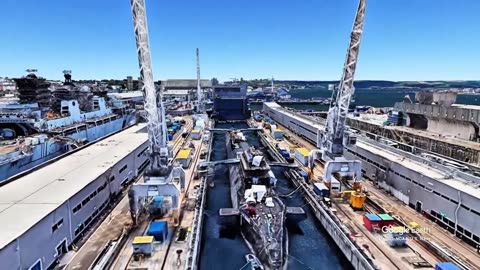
230 103
437 112
52 206
447 195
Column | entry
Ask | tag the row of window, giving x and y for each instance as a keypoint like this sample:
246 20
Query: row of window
305 129
88 198
123 168
143 151
90 125
87 221
378 165
414 182
57 225
445 220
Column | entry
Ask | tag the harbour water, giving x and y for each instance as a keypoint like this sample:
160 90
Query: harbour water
310 246
365 97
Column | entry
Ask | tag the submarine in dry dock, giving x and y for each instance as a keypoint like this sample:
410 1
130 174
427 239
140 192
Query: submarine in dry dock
255 201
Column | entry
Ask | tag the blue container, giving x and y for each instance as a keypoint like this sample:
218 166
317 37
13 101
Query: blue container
159 230
304 175
446 266
157 200
321 190
170 137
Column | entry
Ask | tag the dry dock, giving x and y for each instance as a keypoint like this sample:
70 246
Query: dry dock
375 245
116 225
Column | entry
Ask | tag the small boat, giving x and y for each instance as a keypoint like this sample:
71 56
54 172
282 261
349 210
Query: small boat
254 262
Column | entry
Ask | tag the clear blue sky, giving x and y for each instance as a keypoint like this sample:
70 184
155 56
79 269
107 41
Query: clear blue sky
304 39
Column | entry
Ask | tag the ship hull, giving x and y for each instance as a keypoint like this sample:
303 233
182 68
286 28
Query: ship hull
250 234
18 162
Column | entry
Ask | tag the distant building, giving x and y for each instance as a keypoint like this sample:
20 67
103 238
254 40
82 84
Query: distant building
129 83
140 84
7 86
184 89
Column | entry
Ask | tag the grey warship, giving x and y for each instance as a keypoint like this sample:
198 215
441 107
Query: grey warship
261 212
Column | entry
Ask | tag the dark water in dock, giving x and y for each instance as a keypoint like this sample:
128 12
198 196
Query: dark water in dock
310 245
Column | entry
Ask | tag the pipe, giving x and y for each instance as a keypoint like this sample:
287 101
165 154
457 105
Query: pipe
456 211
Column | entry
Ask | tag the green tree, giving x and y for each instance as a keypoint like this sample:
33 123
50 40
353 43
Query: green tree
214 81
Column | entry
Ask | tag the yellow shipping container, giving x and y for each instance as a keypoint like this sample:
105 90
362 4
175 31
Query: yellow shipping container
303 151
183 154
143 240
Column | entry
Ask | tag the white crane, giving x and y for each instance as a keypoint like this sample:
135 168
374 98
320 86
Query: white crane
157 130
200 103
332 142
159 178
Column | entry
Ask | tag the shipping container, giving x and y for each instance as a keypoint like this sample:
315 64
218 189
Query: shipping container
143 245
446 266
184 158
334 185
321 190
159 230
371 221
277 134
196 134
302 155
387 220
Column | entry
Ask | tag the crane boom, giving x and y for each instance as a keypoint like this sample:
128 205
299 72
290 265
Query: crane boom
200 105
156 118
336 119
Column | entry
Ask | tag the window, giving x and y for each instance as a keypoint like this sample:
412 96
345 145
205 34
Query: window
123 168
112 178
78 207
143 151
465 207
57 225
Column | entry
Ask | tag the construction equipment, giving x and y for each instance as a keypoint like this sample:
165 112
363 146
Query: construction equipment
162 178
335 136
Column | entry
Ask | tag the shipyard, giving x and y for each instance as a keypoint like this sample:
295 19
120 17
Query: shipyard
143 174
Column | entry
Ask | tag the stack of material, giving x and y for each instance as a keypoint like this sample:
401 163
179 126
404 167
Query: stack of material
32 89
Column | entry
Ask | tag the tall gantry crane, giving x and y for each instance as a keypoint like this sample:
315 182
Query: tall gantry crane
200 103
331 143
159 178
157 130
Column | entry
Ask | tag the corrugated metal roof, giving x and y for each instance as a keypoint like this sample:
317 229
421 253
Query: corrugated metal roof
303 151
183 154
143 240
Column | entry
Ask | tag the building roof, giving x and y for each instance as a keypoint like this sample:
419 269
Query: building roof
131 94
27 200
433 173
176 92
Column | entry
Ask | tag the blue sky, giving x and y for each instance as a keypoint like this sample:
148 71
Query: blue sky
304 39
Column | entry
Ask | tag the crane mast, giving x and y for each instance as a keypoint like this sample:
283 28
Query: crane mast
200 105
157 134
332 142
